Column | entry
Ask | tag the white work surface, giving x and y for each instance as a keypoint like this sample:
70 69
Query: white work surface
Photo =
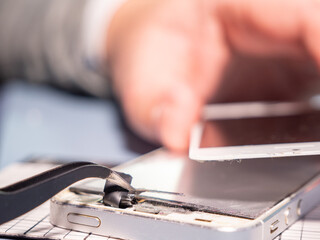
35 224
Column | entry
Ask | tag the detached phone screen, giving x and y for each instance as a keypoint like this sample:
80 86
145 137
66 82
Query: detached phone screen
264 130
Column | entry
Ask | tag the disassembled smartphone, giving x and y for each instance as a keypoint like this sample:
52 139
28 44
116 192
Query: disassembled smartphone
256 130
251 199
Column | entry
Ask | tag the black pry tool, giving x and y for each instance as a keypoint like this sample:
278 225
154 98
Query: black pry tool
23 196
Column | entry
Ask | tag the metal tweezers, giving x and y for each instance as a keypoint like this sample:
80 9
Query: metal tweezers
23 196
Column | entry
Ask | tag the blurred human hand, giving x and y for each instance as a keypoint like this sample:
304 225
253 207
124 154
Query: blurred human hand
168 58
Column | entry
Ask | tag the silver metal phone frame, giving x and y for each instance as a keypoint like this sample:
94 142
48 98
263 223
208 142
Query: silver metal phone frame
124 224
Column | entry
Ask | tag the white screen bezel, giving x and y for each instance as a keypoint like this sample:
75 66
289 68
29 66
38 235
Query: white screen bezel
252 110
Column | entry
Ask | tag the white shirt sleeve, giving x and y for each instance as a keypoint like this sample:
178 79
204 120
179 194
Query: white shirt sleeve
97 16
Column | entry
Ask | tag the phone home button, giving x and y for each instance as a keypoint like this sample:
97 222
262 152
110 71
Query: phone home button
85 220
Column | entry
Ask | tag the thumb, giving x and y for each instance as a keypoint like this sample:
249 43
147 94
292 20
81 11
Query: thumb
180 110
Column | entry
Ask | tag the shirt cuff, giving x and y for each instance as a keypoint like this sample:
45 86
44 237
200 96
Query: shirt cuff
96 20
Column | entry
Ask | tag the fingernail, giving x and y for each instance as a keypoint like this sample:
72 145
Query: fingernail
177 117
156 116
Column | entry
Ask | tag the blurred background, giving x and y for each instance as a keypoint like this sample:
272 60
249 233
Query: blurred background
42 121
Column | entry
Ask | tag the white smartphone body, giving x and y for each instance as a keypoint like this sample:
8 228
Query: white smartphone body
254 199
256 130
